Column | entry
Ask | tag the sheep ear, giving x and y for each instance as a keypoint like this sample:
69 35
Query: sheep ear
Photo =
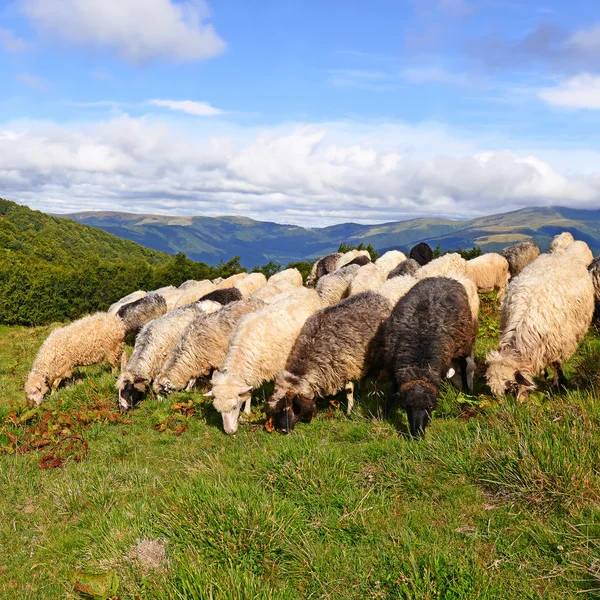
521 380
245 389
451 372
209 394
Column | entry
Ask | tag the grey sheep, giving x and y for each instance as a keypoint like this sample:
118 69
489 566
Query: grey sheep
322 267
520 255
407 267
336 345
428 328
136 314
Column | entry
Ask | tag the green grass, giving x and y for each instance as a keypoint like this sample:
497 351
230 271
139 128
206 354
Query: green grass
500 500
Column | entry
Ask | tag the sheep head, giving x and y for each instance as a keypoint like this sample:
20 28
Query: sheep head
132 389
36 387
419 398
504 376
228 395
291 401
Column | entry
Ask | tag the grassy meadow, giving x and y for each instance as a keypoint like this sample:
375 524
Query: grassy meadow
501 500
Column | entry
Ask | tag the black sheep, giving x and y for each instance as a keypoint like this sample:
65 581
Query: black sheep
407 267
422 253
224 296
431 325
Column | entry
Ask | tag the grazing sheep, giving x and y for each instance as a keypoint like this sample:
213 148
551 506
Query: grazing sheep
250 284
594 271
561 241
489 272
336 345
335 286
114 308
322 267
407 267
231 281
396 288
258 350
136 314
545 314
520 255
369 277
153 345
171 296
422 253
202 347
349 257
390 260
223 296
194 292
292 276
361 261
269 292
431 325
87 341
445 265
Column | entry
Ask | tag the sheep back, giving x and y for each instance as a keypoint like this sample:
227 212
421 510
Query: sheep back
520 255
136 314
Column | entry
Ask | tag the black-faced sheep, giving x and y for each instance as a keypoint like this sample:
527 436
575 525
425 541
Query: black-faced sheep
223 296
136 314
323 267
407 267
153 345
422 253
336 345
428 328
258 350
520 255
87 341
202 347
544 316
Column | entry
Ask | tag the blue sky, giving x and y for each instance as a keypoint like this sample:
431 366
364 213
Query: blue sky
311 112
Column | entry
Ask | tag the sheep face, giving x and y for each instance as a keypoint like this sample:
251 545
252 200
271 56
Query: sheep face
419 400
290 409
132 389
163 386
504 377
228 399
36 388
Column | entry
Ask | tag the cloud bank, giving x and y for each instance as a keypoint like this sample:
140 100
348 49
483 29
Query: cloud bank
310 174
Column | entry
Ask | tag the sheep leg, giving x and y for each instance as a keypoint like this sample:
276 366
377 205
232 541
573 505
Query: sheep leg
559 379
55 384
247 405
462 363
349 389
391 399
190 385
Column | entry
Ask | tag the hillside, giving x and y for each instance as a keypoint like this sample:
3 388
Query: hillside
55 269
211 239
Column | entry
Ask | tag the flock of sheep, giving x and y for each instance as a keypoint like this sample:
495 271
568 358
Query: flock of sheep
415 318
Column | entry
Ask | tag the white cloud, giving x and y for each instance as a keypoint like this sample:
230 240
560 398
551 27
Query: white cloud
581 91
301 173
10 42
137 30
587 40
33 81
190 107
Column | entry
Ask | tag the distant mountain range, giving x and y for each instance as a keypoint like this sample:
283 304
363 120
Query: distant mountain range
211 239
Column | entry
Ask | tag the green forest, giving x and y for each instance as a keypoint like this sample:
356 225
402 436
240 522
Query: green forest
54 269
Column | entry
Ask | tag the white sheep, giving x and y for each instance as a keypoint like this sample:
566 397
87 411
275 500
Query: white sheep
490 272
292 276
561 241
258 350
114 308
368 277
250 284
193 292
443 266
269 292
390 260
93 339
230 281
153 345
545 314
335 286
